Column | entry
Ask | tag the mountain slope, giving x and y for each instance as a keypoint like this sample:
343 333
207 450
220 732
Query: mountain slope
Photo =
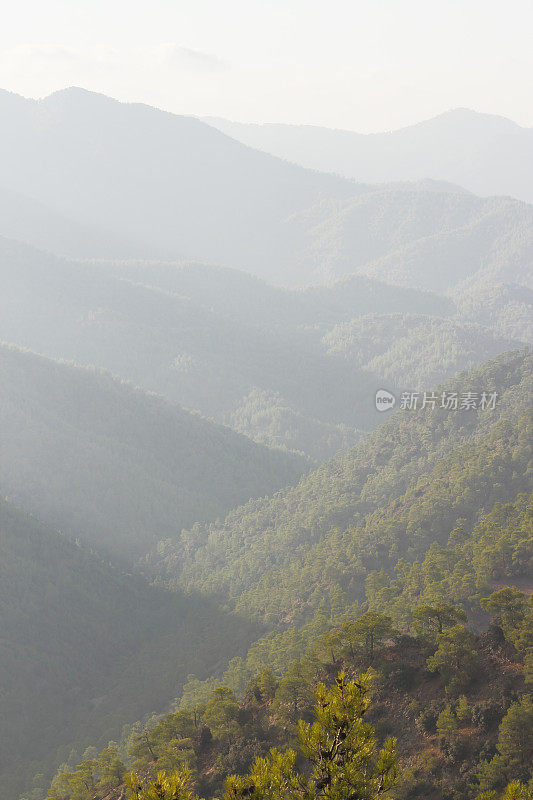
212 339
31 221
457 489
484 153
422 239
85 648
182 347
186 190
445 722
112 465
349 515
239 295
507 307
183 188
459 684
413 351
299 558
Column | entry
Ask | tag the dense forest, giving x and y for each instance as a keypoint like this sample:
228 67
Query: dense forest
393 557
411 531
226 571
391 495
450 706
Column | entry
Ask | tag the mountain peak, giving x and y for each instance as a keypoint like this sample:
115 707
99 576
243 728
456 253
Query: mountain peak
462 116
10 102
75 96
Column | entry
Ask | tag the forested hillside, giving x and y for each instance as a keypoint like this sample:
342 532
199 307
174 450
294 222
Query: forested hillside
477 558
294 369
401 489
375 560
205 511
456 701
114 466
180 346
508 307
423 239
78 640
474 560
413 351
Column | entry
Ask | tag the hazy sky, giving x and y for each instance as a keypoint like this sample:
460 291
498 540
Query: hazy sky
372 65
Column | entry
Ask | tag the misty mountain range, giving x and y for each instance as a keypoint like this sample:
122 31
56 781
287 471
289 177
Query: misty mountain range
138 182
107 190
195 316
149 227
484 153
292 368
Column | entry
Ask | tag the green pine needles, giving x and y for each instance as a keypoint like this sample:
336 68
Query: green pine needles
341 758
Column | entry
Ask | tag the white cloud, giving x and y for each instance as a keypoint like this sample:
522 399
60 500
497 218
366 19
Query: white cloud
25 53
161 56
143 73
180 57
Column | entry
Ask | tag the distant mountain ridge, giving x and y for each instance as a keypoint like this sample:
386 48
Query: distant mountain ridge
114 466
133 181
484 153
156 180
290 368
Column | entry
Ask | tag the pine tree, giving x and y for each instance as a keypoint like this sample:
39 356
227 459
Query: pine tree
344 762
434 618
446 723
373 628
164 787
508 608
515 738
456 658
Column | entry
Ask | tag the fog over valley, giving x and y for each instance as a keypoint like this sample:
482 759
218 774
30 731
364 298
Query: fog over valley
266 393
